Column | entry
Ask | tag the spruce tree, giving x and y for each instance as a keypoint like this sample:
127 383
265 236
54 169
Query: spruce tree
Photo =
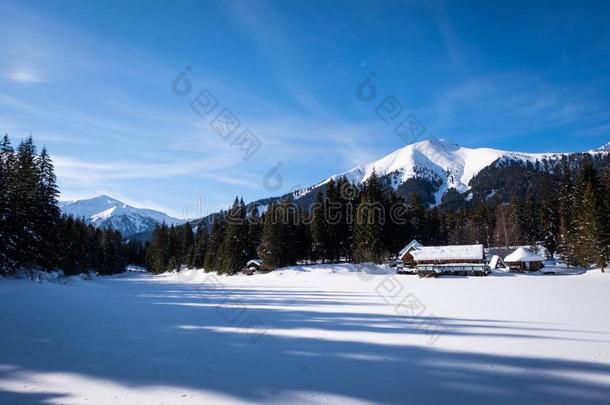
158 253
550 219
346 201
255 230
200 246
368 229
589 220
25 204
211 260
233 249
270 249
566 246
188 245
319 230
47 211
417 215
332 209
8 226
605 238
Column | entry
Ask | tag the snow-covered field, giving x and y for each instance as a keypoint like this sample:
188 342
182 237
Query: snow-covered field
321 334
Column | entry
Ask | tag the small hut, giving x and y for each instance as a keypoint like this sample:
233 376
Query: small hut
405 254
524 259
252 266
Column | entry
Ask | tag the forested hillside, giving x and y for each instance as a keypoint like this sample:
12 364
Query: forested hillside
565 207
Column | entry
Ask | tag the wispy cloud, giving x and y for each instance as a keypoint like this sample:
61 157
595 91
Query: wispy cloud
513 104
25 76
87 172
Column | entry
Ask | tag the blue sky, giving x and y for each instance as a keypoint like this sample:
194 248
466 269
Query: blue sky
93 82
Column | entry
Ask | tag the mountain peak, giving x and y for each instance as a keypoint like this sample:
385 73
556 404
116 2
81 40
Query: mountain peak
444 163
106 212
603 148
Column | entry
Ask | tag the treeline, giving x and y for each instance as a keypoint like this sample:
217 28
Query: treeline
33 233
567 212
366 223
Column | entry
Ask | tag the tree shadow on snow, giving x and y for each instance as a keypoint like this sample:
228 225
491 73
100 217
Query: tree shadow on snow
191 337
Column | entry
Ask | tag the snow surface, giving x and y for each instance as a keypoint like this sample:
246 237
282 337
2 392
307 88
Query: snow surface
104 211
330 334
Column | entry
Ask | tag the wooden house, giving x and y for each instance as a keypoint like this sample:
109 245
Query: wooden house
524 259
252 266
405 255
455 259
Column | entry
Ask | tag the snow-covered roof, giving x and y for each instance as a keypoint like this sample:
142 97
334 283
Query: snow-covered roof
523 255
455 252
413 244
257 262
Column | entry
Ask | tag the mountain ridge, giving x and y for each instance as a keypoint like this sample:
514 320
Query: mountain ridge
106 212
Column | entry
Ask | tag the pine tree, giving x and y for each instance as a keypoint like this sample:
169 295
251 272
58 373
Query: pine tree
200 247
211 260
32 232
176 251
270 249
550 219
290 217
320 238
255 230
112 252
530 222
8 245
506 231
605 238
567 208
589 223
188 245
47 211
233 249
346 201
417 215
333 216
370 219
158 253
25 204
398 230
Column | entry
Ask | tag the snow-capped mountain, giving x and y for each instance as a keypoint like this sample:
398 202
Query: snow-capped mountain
429 168
603 148
104 212
444 163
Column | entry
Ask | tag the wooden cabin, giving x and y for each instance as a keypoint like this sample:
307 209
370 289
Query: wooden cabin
455 259
252 266
405 254
524 259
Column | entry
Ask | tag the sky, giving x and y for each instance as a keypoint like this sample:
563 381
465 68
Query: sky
181 106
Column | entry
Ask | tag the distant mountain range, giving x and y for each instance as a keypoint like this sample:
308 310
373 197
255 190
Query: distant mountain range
104 212
431 168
